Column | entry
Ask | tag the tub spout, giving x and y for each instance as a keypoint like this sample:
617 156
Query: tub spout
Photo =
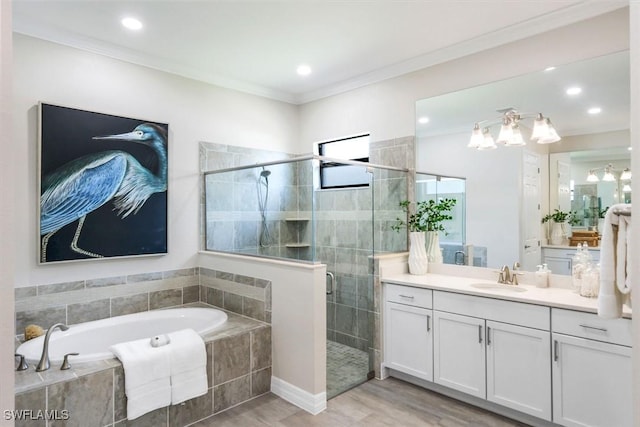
43 365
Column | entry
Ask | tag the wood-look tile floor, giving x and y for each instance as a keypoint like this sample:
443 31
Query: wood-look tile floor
375 403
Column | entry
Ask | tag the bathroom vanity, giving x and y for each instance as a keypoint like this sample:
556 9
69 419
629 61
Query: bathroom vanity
511 349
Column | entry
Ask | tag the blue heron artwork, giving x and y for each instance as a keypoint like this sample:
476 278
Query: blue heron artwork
103 185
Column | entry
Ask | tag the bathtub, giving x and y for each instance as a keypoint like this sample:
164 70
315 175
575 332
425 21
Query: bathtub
93 339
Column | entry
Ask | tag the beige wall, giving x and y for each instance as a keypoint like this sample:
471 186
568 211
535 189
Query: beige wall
299 315
6 218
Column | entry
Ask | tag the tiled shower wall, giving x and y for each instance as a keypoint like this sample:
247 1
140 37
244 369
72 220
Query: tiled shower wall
231 203
350 224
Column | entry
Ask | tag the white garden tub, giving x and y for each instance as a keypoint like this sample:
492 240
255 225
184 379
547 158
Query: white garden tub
93 339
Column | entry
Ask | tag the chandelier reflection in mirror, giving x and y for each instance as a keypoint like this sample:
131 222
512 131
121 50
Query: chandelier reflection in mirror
608 176
510 132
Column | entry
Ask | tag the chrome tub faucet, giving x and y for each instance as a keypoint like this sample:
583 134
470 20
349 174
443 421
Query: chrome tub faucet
43 365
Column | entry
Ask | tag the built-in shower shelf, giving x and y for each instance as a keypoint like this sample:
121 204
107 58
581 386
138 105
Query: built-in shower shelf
297 245
297 219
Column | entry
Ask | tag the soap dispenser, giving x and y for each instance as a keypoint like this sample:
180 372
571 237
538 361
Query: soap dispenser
542 276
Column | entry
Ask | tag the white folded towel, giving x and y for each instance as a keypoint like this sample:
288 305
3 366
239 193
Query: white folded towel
188 361
614 253
147 376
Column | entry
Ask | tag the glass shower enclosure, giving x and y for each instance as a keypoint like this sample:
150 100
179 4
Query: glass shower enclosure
277 209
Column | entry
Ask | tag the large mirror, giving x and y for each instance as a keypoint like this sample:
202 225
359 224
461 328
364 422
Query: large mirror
510 188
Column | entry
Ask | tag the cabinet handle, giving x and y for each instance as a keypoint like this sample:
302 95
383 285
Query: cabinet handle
406 296
428 323
594 327
488 335
555 350
480 334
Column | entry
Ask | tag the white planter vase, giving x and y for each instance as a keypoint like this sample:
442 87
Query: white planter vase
558 234
434 253
418 262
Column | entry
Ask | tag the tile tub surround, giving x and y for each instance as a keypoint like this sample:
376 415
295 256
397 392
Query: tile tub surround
83 301
238 369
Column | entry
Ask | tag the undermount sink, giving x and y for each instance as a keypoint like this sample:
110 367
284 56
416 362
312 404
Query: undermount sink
498 287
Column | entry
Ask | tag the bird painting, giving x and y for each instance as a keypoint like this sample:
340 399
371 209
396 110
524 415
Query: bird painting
83 185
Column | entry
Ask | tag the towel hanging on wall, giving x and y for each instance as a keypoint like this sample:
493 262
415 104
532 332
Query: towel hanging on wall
615 284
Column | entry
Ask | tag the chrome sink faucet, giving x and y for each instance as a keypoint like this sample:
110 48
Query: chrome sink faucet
43 365
507 277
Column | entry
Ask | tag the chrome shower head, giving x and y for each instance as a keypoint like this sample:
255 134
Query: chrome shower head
265 172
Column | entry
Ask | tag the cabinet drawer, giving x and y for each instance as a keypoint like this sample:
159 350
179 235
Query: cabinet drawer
408 295
589 325
515 313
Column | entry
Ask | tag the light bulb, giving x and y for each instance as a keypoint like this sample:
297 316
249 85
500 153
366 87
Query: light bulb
476 137
540 128
551 136
516 138
487 141
506 132
592 177
608 176
625 175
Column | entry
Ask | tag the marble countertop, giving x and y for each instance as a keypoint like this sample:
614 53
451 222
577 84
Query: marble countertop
551 297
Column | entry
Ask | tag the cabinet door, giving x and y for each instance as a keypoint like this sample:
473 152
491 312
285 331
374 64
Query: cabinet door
408 340
558 265
459 353
519 368
591 383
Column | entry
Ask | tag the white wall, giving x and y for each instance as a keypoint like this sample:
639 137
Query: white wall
7 216
195 112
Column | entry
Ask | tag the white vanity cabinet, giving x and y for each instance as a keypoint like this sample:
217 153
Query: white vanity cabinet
591 370
408 330
496 350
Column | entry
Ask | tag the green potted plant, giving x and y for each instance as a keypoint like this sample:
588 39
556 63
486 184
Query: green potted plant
559 220
424 223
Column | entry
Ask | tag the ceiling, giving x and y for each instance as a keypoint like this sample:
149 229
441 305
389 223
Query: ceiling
256 46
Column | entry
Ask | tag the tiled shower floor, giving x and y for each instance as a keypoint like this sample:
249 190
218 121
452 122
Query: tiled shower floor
346 368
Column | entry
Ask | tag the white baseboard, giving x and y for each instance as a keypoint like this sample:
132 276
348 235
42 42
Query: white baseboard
312 403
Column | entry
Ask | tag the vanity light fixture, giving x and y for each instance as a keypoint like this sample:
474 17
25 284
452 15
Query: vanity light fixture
510 134
608 175
626 188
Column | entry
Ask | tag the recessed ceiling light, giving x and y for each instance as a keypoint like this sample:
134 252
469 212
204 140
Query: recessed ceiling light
549 69
303 70
131 23
594 110
423 120
574 90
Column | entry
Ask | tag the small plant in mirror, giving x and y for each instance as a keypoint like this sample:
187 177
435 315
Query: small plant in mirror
429 215
561 216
